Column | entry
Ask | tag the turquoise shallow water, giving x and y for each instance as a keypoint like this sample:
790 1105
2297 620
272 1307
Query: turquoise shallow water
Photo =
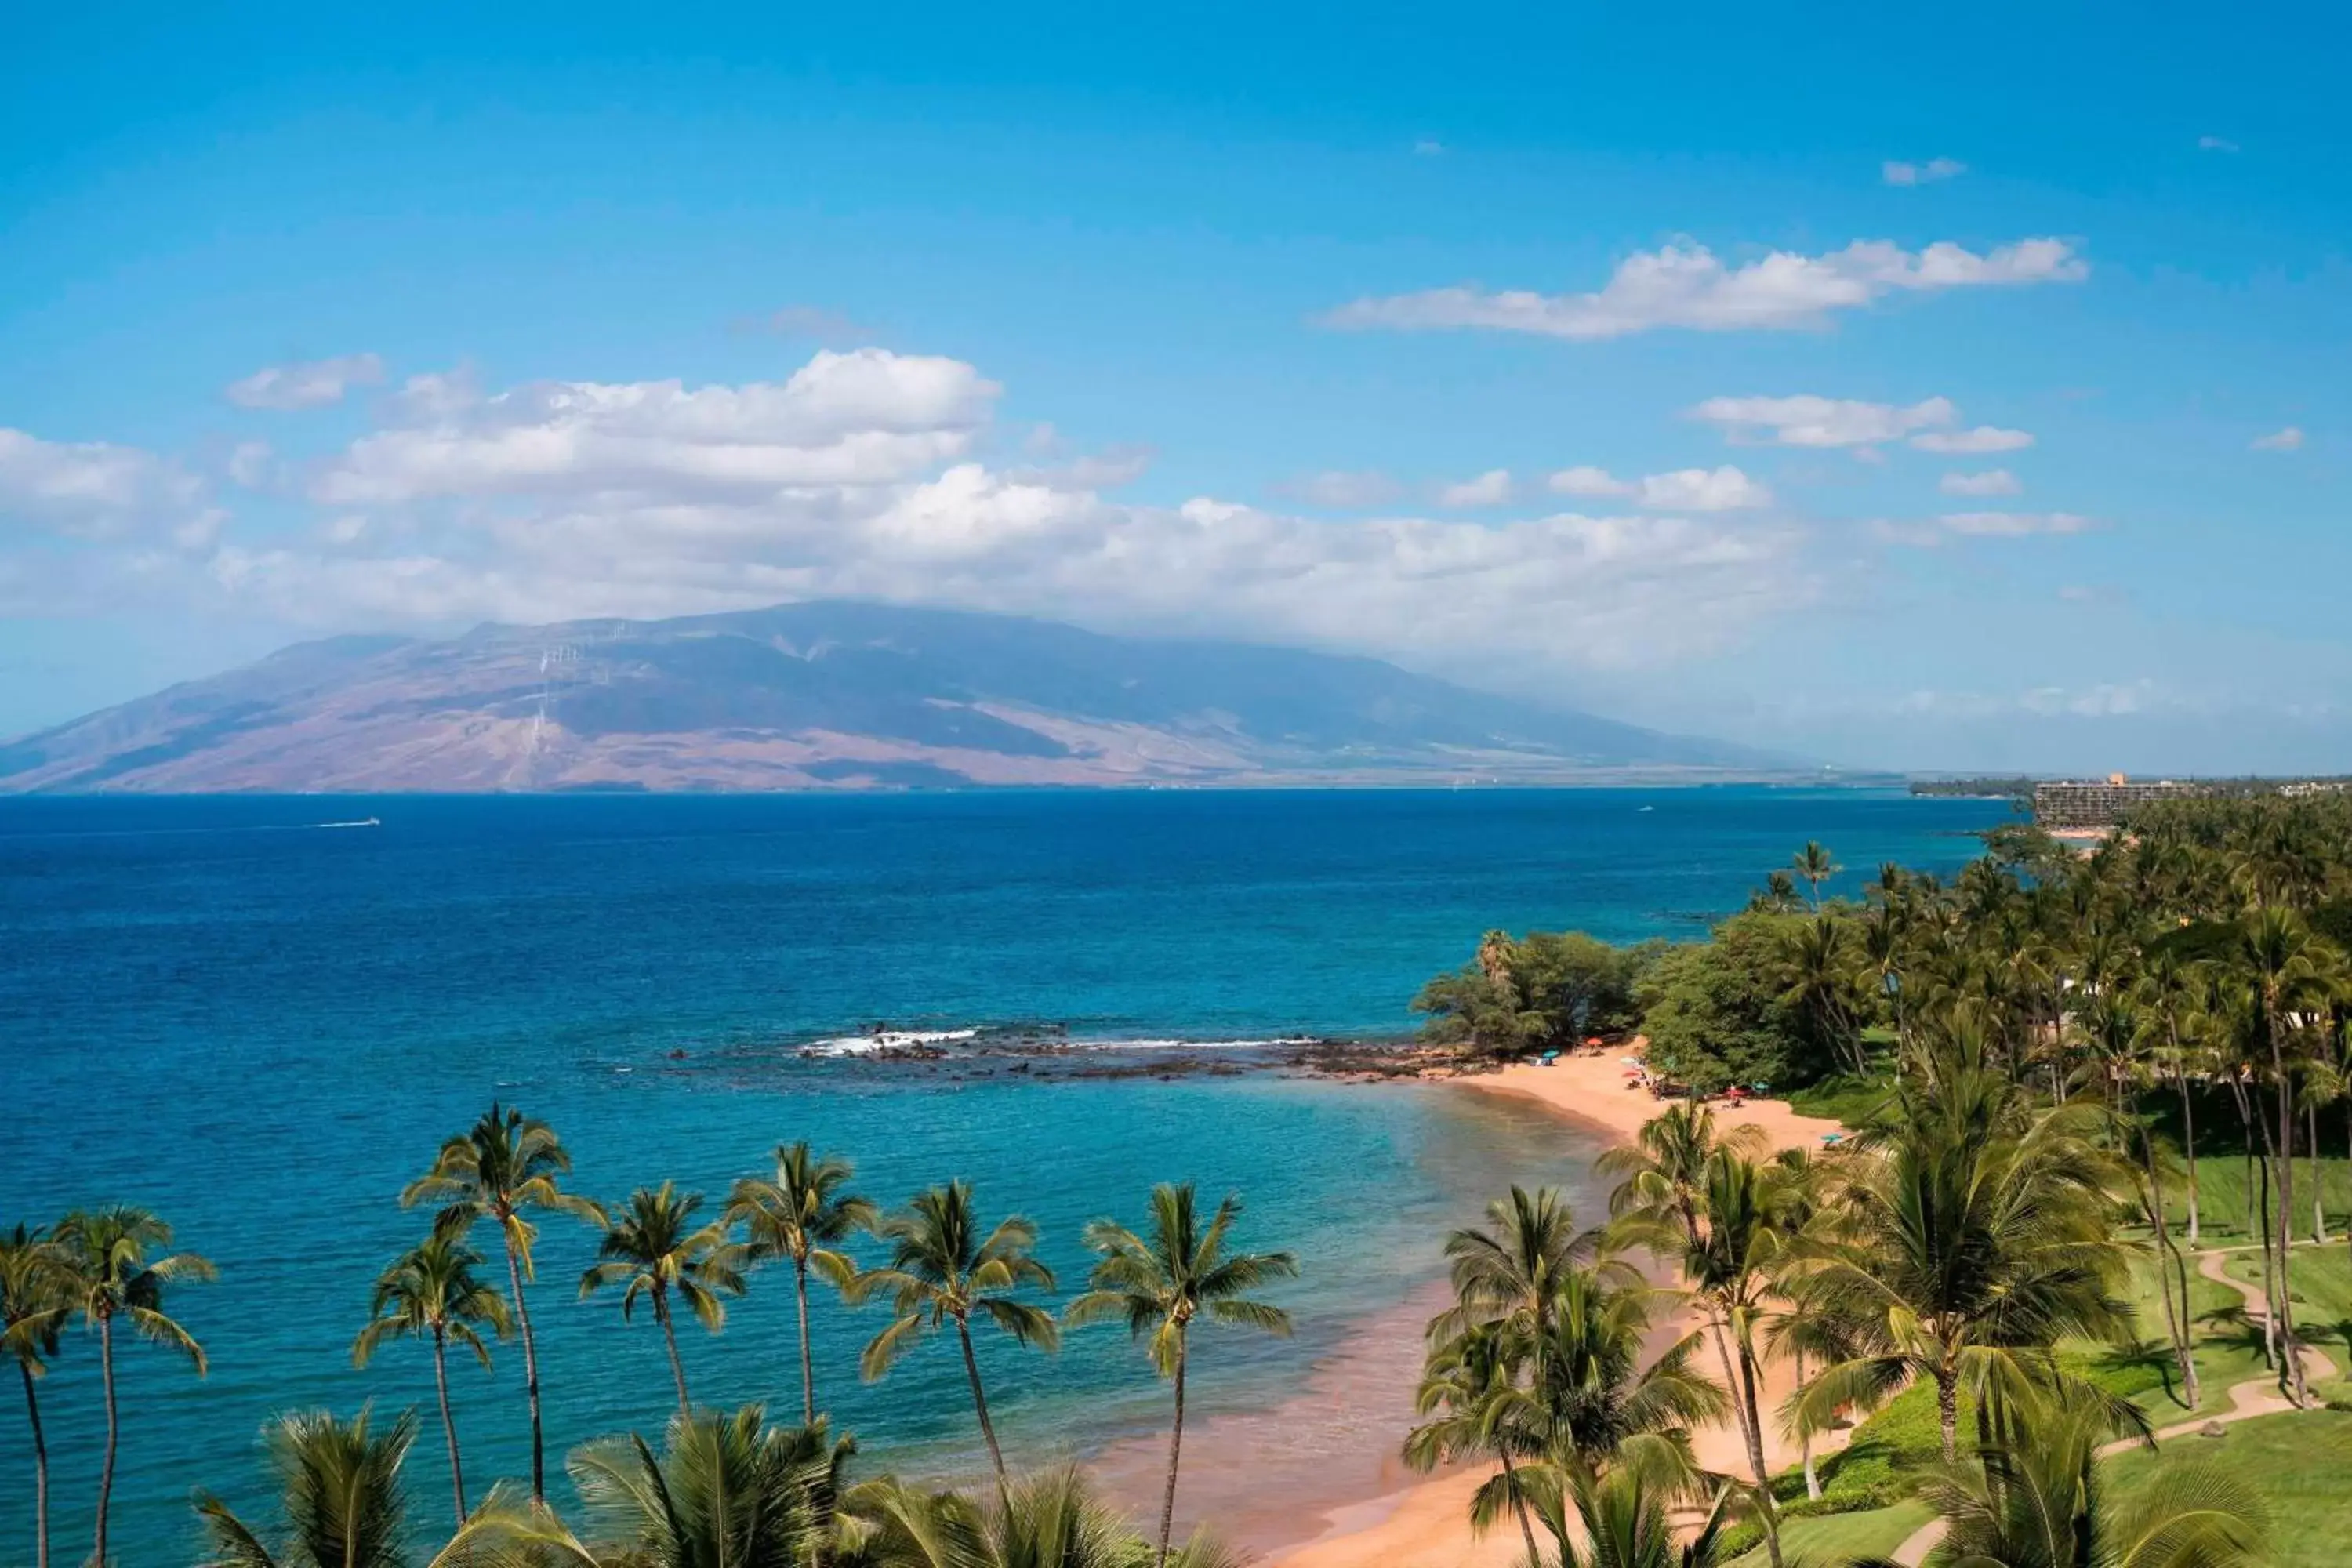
262 1028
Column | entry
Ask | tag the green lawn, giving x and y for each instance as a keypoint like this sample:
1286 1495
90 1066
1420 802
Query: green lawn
1836 1538
2221 1196
2297 1462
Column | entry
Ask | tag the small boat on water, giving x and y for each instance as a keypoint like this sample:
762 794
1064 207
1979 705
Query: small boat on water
362 822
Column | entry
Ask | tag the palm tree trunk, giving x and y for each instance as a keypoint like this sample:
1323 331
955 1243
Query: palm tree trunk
448 1422
40 1470
2318 1192
2175 1324
106 1466
530 1375
1947 1411
2287 1218
1730 1380
1518 1506
1755 1424
2189 1140
980 1404
808 1368
1805 1444
1175 1450
670 1337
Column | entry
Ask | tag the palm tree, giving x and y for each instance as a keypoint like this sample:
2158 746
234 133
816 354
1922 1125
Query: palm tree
1977 1236
1813 864
33 1305
2287 969
801 1215
1160 1285
502 1169
1477 1410
1737 1271
111 1278
1625 1518
1051 1521
430 1291
655 1248
340 1496
943 1270
2035 1501
1508 1270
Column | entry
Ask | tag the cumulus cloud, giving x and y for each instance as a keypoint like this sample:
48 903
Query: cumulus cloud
1340 488
1926 173
864 476
1690 287
864 417
1492 488
1589 482
1983 438
1810 421
2216 145
2287 440
94 490
1982 525
1991 483
1724 489
306 384
1429 147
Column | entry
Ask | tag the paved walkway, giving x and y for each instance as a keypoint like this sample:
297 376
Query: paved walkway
2255 1397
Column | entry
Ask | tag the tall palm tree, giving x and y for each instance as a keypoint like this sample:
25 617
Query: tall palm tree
503 1169
1477 1409
1626 1518
943 1270
804 1214
1737 1271
112 1279
1159 1286
2035 1501
1815 866
33 1305
1051 1520
430 1291
1508 1271
1977 1236
2289 970
654 1250
341 1497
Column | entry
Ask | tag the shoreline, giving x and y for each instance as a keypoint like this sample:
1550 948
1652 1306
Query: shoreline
1423 1523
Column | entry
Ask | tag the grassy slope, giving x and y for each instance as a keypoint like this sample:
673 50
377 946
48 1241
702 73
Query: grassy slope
1837 1538
2298 1463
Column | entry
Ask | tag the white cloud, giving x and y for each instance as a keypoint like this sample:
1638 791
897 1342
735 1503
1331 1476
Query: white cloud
1929 173
1589 482
251 464
93 490
1811 421
1991 483
1429 147
2216 145
549 502
1492 488
1983 438
1724 489
2287 440
1690 287
864 417
1340 488
1954 525
309 383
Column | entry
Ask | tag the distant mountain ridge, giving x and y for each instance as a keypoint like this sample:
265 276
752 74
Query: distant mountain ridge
830 695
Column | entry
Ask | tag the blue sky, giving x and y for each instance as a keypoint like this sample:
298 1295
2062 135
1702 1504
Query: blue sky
1934 390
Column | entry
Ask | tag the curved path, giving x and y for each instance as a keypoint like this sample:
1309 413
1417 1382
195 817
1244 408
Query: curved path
2255 1397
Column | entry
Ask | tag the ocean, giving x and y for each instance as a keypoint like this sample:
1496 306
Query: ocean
261 1025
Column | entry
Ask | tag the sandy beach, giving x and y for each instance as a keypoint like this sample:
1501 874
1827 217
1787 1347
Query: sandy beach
1424 1525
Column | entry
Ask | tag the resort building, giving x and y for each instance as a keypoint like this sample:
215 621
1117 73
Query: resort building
2065 804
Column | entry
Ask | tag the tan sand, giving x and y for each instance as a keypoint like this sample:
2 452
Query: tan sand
1427 1525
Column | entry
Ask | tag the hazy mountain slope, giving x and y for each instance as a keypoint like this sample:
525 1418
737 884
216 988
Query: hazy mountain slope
824 696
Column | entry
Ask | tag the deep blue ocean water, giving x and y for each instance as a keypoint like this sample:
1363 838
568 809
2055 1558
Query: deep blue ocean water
262 1027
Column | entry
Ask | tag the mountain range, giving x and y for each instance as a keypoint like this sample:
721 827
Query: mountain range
830 695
